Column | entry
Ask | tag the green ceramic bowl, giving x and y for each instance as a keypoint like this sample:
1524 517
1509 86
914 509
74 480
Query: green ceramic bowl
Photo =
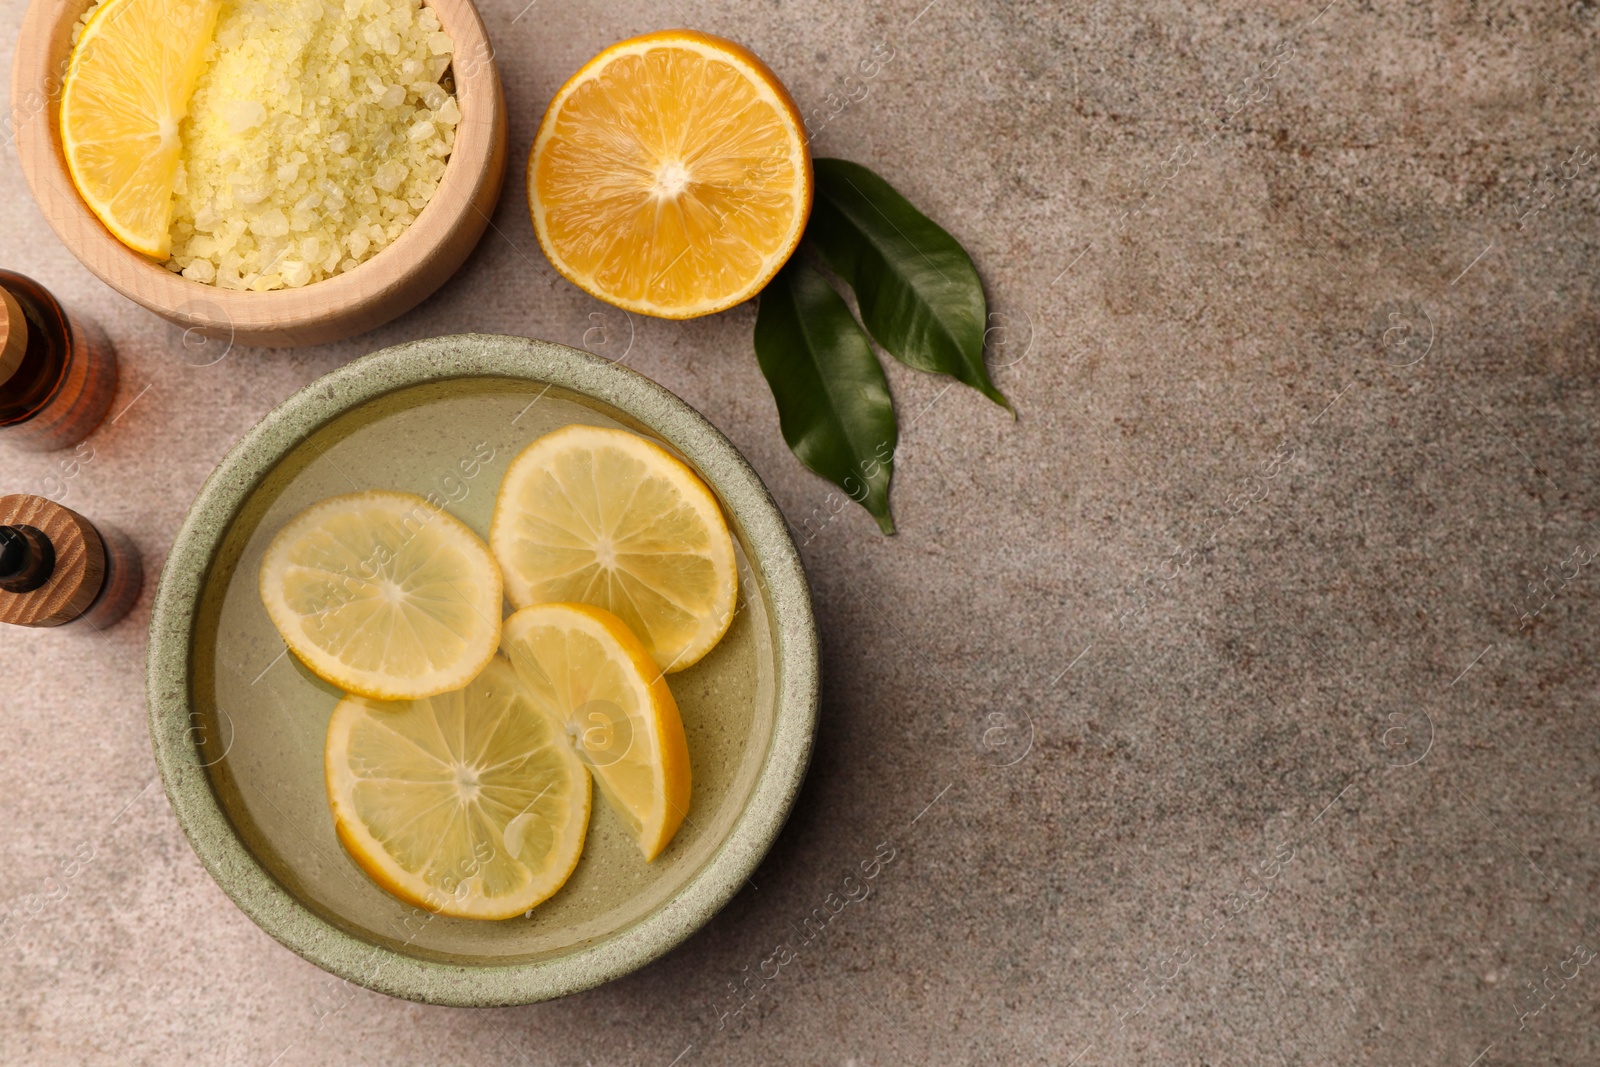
238 723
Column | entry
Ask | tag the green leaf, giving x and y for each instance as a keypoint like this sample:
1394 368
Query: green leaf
833 401
918 290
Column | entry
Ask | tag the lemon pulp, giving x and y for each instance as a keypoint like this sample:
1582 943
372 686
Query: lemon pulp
383 595
670 175
604 517
588 670
127 88
469 803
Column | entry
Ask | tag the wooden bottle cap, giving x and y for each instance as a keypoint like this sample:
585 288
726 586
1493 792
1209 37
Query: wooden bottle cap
13 335
80 564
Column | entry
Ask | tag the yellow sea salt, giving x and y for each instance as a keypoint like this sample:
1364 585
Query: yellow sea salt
317 133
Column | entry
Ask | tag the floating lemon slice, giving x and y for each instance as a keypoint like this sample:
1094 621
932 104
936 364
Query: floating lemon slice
127 88
384 595
469 803
598 516
585 667
670 175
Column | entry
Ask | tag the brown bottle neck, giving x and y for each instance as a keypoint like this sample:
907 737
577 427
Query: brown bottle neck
27 559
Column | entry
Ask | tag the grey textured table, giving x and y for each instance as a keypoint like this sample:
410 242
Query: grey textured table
1206 706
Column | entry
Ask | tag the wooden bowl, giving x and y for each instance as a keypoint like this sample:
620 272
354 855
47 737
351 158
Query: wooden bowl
389 284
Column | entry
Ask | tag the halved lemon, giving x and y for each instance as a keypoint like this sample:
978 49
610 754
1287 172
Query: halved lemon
670 175
384 595
584 666
127 88
469 803
599 516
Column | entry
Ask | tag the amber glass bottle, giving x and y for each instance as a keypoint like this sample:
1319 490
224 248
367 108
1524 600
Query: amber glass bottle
57 371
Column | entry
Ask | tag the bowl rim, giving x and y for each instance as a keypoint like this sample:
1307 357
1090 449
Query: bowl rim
170 654
398 277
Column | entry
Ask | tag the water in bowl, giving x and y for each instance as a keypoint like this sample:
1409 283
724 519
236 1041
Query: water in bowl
262 717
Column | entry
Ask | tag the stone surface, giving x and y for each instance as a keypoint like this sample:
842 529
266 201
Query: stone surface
1206 705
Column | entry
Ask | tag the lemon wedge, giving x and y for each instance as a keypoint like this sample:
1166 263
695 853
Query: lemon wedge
670 175
127 88
470 803
604 517
384 595
587 669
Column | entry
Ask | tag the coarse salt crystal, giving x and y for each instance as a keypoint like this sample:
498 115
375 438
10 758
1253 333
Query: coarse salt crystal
317 132
270 223
432 93
243 115
389 176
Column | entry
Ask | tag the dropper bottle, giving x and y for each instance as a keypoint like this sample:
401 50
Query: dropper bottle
57 567
58 372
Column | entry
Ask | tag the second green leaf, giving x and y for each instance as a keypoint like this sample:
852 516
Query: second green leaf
833 401
919 293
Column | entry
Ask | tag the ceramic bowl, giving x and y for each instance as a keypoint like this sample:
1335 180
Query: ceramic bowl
238 724
389 284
